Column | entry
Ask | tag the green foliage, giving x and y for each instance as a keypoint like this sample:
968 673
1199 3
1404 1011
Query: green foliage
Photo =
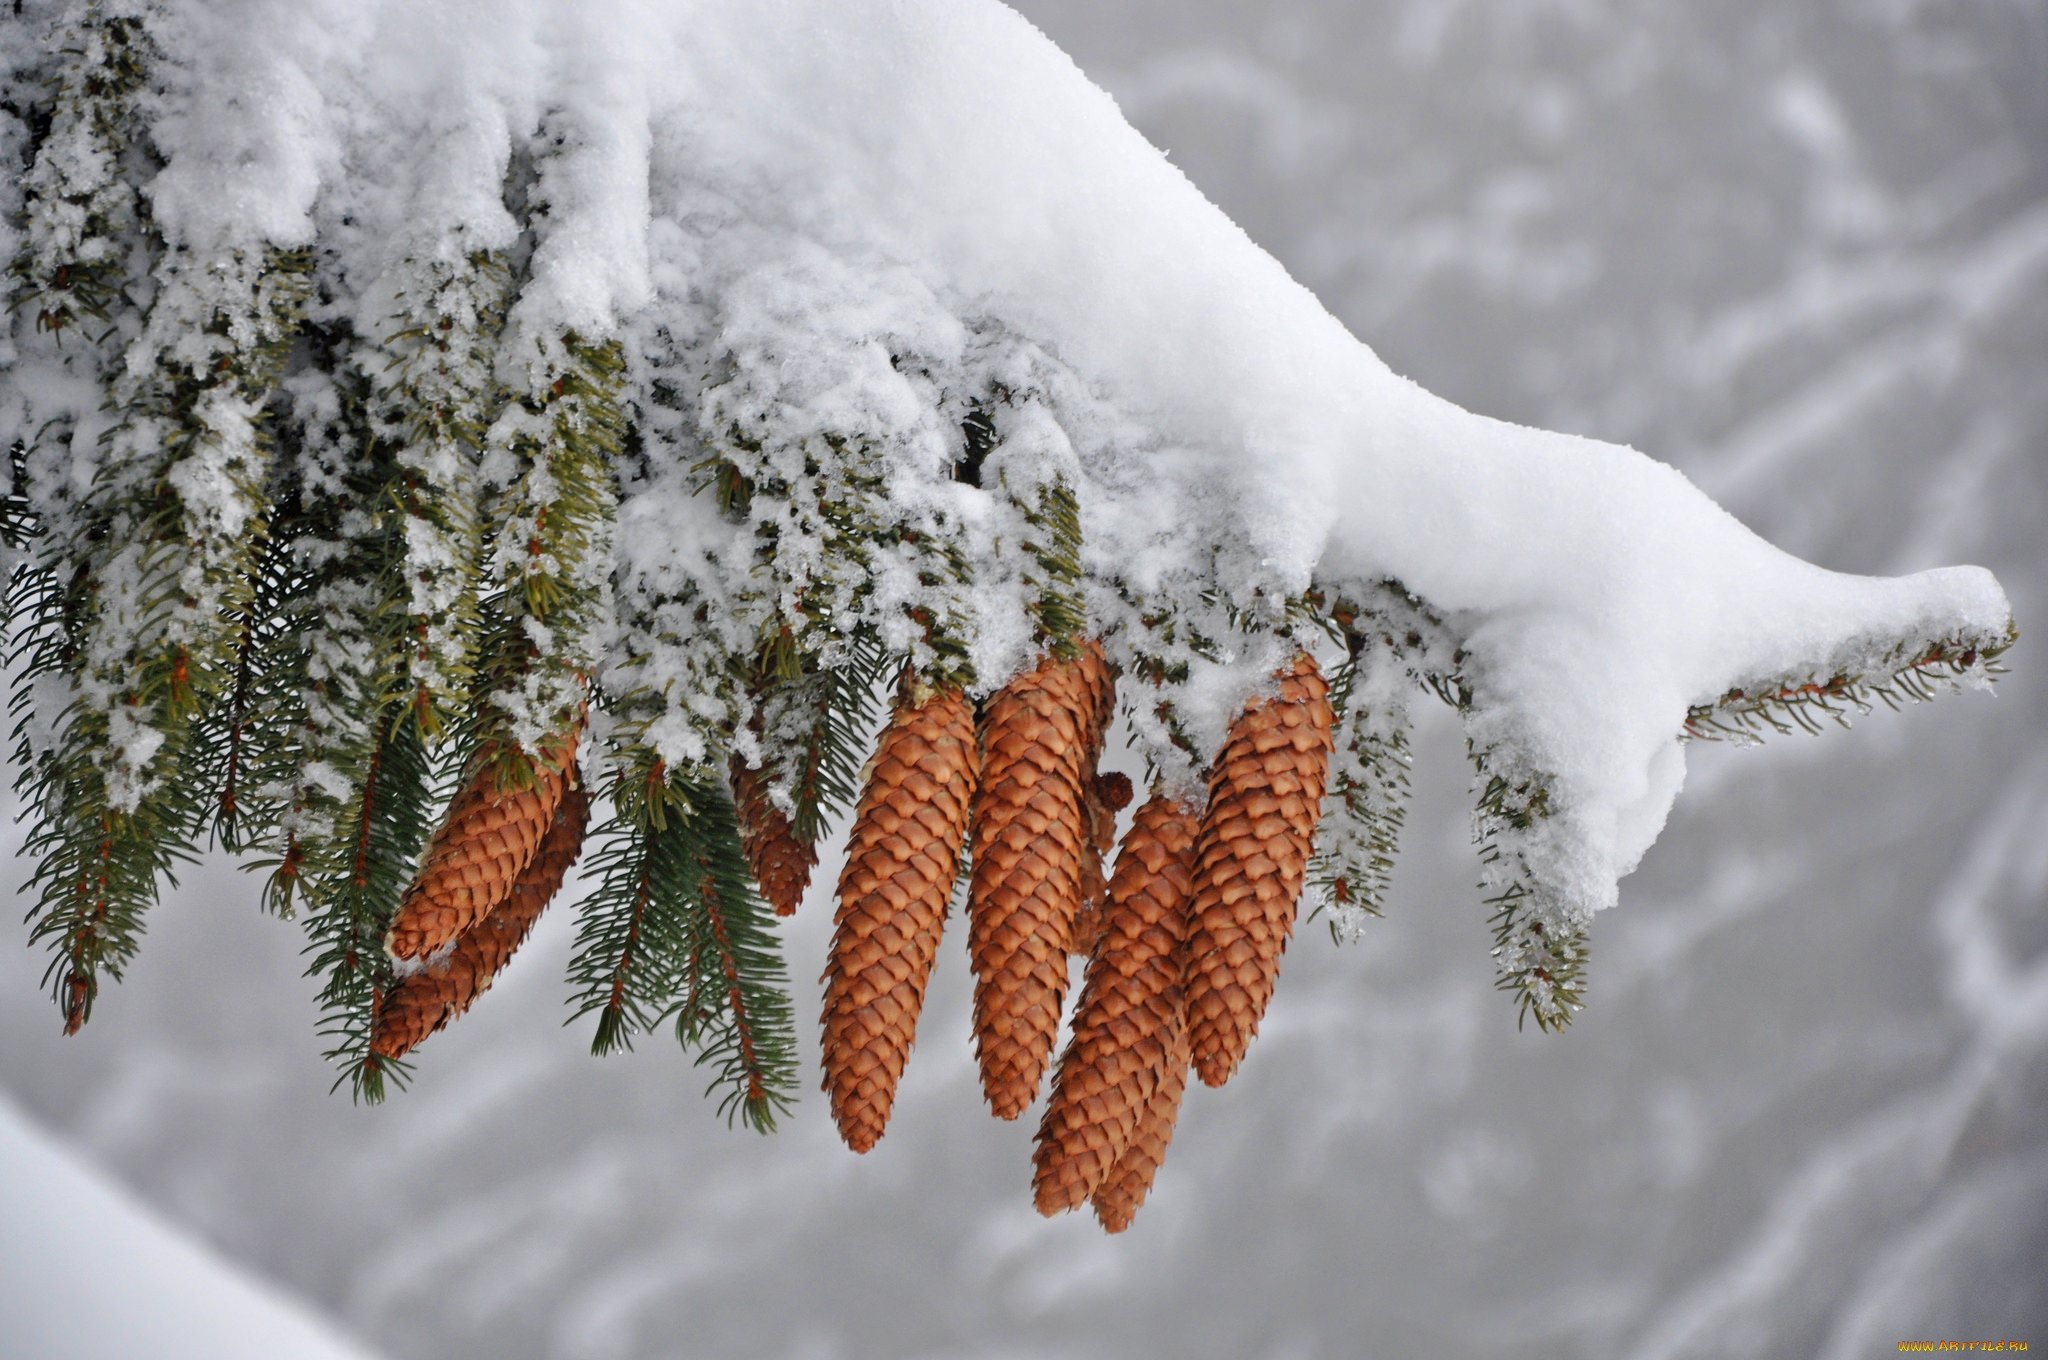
675 927
1540 959
555 498
144 632
97 865
1909 671
735 1008
815 736
1055 547
73 265
353 884
235 737
433 403
631 949
1368 798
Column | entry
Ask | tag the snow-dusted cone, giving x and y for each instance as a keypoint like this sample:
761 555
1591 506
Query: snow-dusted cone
421 1003
1108 794
1122 1193
1038 740
1126 1028
902 856
490 834
1265 794
781 862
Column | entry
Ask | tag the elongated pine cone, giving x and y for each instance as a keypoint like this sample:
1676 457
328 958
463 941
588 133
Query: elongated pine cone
1265 795
1099 685
1108 794
781 862
1030 836
1125 1027
421 1003
902 857
490 833
1122 1193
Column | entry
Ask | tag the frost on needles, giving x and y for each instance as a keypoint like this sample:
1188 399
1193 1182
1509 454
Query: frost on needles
400 398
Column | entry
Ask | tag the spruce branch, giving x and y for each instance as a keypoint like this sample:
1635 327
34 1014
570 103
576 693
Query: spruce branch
735 1008
551 492
351 885
1540 949
816 736
434 398
673 927
1367 804
1907 671
631 951
81 212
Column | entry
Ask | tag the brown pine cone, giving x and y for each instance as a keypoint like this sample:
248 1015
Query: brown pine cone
1130 1010
1122 1193
781 863
421 1003
1098 678
490 833
1108 794
902 856
1030 834
1265 795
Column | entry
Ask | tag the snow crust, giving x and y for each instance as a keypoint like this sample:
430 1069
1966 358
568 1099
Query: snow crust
831 225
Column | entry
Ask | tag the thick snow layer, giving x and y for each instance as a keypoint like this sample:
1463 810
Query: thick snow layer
87 1272
827 221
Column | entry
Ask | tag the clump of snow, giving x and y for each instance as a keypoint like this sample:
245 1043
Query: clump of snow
825 233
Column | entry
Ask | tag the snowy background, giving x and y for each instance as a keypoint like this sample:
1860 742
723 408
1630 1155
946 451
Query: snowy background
1800 252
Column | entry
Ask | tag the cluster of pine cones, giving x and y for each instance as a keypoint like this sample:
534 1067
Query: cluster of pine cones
1183 936
1183 940
499 856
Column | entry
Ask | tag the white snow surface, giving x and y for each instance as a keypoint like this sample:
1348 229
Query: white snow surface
87 1273
815 190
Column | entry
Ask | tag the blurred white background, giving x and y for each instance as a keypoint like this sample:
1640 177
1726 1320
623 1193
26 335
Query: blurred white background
1801 252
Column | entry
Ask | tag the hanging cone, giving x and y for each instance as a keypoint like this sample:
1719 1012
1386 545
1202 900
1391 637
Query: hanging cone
1099 685
902 856
1122 1193
1030 835
490 834
421 1003
1265 795
1129 1015
781 863
1108 794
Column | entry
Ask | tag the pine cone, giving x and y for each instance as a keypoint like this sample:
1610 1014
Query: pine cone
781 863
1108 794
489 835
1030 834
1265 795
1122 1193
1130 1010
902 857
421 1003
1099 681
